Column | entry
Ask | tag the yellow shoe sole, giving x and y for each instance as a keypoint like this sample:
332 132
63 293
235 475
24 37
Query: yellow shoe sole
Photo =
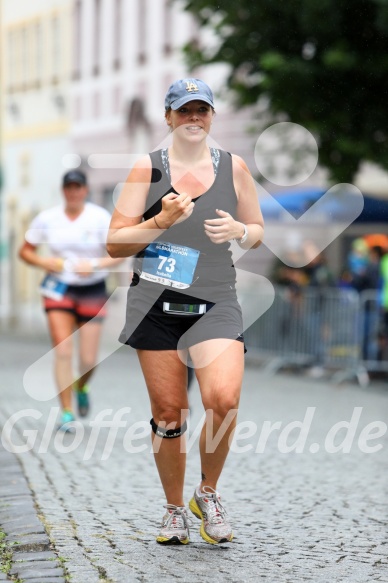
172 541
195 509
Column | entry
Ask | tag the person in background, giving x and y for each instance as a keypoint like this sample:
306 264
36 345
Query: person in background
73 290
367 283
345 279
178 213
317 271
357 262
383 334
319 281
372 274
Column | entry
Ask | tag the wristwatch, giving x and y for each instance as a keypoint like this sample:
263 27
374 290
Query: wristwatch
244 237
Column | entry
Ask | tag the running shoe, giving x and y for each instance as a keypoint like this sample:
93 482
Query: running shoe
83 400
207 506
175 527
66 422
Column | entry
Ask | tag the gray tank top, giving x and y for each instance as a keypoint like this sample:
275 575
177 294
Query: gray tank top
215 266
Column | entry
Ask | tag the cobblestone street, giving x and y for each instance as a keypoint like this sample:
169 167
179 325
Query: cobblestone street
310 514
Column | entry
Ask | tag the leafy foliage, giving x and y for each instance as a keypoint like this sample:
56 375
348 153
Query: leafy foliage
323 64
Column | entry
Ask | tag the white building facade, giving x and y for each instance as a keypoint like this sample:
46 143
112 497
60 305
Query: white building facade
127 53
35 126
83 84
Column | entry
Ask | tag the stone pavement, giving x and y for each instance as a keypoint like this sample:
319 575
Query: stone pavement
30 551
94 502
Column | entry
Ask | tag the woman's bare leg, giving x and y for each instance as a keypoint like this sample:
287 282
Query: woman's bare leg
166 378
220 383
61 327
89 341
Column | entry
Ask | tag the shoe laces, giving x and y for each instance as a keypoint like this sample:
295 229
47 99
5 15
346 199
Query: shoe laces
216 513
176 516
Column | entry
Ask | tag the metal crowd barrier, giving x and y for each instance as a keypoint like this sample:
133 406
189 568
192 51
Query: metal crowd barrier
375 337
335 329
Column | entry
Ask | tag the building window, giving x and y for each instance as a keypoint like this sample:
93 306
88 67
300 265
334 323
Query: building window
117 100
24 59
142 31
136 115
96 105
117 39
97 37
78 108
56 49
38 55
25 170
29 56
167 27
11 61
17 63
77 45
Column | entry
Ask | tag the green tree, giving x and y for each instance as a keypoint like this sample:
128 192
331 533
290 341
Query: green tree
321 63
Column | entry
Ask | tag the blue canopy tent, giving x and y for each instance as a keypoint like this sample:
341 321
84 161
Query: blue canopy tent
333 208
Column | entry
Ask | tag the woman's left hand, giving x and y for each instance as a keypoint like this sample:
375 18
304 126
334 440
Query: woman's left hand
83 267
223 229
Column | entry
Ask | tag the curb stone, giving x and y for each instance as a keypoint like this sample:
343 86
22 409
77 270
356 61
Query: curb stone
33 559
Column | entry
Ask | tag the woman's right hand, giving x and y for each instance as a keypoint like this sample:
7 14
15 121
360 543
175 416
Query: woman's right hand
28 253
176 208
53 264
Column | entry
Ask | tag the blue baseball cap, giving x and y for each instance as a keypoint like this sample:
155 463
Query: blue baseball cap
186 90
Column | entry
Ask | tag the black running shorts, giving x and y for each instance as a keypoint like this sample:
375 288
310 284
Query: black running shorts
158 330
85 302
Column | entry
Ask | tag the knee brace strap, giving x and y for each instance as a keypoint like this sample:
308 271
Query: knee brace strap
163 432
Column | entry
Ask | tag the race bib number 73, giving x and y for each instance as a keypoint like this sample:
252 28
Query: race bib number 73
169 264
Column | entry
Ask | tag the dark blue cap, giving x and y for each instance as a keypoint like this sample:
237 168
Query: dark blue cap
76 176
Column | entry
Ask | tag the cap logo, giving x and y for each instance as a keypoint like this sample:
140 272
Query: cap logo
191 86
